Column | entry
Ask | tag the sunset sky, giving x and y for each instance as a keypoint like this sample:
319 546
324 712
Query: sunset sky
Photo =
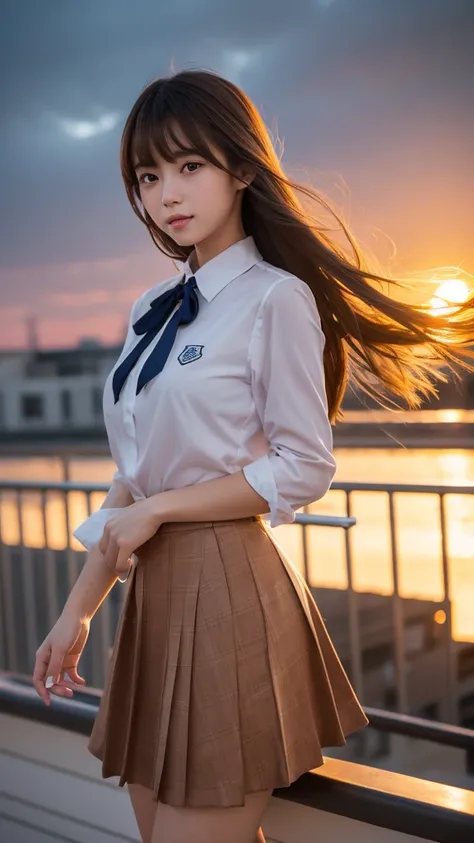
374 95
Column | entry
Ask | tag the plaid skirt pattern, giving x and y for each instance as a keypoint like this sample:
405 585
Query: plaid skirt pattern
223 680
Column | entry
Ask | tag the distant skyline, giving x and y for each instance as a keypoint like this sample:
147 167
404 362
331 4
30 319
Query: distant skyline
372 99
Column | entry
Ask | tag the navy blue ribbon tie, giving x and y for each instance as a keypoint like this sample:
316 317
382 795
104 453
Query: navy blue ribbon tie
150 324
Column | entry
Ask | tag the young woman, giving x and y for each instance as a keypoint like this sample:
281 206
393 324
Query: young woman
223 683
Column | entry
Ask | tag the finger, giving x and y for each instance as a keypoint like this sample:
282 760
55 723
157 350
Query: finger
55 667
42 661
67 681
60 686
124 577
74 676
59 690
122 564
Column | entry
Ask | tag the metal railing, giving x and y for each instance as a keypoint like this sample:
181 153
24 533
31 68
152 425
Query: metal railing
21 632
386 800
391 489
20 636
17 696
424 730
19 570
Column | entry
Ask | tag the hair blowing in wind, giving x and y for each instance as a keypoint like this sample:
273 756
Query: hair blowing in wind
387 347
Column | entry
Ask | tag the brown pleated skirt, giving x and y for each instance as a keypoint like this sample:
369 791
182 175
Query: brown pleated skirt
223 680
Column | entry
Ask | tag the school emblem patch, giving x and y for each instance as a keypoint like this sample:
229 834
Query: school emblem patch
190 353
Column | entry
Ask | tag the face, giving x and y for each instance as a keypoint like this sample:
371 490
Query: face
190 199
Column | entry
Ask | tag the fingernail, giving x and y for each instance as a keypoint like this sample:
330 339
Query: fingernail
49 682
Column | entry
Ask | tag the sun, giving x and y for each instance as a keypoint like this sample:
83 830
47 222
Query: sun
452 291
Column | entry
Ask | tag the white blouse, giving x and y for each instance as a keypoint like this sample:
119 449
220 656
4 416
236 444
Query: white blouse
243 388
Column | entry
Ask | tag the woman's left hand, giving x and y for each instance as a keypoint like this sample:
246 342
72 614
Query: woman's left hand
126 531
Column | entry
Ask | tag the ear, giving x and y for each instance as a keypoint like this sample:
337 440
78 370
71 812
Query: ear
244 177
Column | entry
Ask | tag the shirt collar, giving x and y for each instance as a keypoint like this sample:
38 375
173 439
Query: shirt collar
221 270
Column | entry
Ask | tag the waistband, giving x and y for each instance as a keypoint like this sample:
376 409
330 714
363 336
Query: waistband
180 526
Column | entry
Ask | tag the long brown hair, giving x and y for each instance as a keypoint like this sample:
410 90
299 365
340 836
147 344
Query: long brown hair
389 347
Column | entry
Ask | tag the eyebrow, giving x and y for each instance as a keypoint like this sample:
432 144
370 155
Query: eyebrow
181 153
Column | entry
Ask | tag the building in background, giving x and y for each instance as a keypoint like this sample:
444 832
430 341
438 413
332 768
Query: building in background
56 393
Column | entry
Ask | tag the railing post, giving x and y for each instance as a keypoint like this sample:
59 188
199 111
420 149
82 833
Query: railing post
355 646
70 554
450 699
398 619
28 582
3 602
50 566
305 547
101 633
8 605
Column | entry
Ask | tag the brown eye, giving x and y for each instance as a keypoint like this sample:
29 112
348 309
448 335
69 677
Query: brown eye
144 176
193 164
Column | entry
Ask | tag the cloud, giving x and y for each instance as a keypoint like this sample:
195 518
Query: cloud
85 129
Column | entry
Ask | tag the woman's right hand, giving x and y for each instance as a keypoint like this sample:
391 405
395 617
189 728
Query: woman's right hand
59 654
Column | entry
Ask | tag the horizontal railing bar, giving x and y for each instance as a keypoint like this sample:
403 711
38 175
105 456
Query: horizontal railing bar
415 488
52 486
415 808
325 520
417 727
18 695
19 486
341 486
20 699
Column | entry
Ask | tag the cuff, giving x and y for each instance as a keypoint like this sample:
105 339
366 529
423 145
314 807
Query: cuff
259 474
91 530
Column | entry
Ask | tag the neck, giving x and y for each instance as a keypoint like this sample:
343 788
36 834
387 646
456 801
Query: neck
216 243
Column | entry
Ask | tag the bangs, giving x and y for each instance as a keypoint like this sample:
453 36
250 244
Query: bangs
167 126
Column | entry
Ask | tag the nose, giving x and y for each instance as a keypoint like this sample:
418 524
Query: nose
170 194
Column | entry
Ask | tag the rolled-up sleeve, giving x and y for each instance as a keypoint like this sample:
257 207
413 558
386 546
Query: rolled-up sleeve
287 377
90 531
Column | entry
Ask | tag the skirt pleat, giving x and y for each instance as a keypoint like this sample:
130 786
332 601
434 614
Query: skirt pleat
223 680
173 731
